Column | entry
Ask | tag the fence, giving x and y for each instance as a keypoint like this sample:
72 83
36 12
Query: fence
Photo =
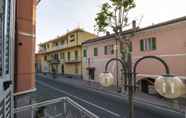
57 108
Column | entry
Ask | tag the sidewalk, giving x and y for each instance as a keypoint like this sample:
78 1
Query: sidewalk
112 91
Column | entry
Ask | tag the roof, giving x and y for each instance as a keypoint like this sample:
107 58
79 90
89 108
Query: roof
59 37
180 19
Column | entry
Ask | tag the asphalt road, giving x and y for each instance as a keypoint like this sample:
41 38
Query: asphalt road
104 106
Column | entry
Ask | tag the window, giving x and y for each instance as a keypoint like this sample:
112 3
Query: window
105 50
62 42
56 56
62 55
130 47
148 44
55 44
84 53
47 45
45 57
72 38
69 55
95 51
109 49
76 55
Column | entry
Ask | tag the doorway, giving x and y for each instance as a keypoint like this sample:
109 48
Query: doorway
147 85
91 73
62 69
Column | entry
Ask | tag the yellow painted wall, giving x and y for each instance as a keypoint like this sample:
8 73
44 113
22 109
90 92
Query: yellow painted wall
69 46
69 68
84 36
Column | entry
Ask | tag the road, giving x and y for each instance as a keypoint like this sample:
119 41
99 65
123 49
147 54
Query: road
104 106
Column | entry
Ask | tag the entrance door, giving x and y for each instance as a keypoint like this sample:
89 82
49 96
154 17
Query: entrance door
7 12
62 69
145 86
92 73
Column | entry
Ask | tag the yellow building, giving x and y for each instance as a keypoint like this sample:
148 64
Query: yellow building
63 54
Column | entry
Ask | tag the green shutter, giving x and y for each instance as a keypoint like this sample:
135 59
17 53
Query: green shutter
142 45
105 50
95 52
76 54
130 47
154 43
84 53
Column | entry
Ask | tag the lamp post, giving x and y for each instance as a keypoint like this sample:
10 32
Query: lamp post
167 89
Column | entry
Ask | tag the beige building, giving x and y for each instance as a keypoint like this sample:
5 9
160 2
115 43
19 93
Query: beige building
63 54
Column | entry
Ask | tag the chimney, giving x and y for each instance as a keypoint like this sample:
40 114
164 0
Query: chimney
134 24
107 33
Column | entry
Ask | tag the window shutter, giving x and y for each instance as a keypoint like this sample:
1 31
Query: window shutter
84 53
130 47
95 52
142 45
112 49
154 43
105 50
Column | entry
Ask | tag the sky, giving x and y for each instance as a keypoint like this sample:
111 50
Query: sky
56 17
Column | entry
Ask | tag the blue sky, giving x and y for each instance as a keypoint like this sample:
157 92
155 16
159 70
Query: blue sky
56 17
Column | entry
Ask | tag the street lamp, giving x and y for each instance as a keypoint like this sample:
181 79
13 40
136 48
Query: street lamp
166 85
106 79
170 87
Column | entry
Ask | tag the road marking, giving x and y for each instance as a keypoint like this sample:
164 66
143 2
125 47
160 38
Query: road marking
80 99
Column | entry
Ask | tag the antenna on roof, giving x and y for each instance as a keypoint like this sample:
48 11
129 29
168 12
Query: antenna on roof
141 18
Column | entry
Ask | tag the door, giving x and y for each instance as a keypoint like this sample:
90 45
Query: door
7 12
144 86
92 73
62 69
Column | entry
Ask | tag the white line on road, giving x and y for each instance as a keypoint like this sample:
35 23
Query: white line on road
87 102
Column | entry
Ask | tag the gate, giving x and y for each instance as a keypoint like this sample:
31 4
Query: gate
7 27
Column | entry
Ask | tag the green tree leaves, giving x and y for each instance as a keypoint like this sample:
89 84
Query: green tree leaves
113 14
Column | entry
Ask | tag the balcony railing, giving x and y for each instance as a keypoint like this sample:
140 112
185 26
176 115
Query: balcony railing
42 50
57 108
53 60
72 60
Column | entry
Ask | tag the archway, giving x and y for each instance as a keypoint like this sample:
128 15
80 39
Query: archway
147 85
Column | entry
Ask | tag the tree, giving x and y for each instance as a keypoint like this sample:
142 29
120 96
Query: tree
114 16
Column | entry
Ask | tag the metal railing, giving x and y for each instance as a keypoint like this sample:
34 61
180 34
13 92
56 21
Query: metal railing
56 108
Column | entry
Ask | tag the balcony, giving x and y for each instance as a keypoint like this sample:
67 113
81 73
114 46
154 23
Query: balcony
43 50
57 108
56 48
53 61
72 60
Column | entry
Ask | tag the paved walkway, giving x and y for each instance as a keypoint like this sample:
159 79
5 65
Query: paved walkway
95 86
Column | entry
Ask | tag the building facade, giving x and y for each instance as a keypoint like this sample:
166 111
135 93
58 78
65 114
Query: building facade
96 52
166 40
63 54
24 51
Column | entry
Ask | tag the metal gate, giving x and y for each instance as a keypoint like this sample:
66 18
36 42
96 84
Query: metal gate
7 28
